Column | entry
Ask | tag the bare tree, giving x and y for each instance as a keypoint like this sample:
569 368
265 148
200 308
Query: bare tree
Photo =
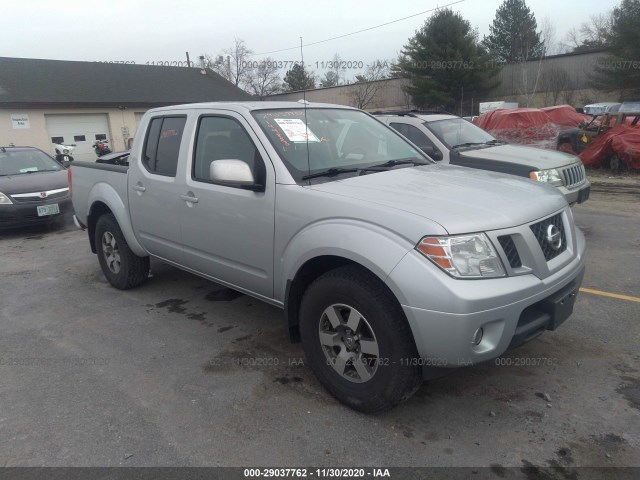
530 77
548 36
264 79
233 63
531 73
569 94
591 34
336 73
556 82
572 41
595 31
367 85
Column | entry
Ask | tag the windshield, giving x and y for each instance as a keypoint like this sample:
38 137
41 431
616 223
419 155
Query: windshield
337 139
457 131
627 107
17 162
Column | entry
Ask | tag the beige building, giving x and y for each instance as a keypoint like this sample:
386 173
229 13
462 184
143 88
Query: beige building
558 79
50 101
386 94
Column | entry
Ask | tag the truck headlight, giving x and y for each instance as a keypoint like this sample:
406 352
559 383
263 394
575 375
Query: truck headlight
551 176
464 256
4 199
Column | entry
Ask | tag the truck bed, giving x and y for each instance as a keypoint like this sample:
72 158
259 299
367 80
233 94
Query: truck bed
96 180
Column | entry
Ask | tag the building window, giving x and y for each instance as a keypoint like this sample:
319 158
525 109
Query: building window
57 140
101 136
79 138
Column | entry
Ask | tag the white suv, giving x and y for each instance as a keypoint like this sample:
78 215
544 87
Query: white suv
451 139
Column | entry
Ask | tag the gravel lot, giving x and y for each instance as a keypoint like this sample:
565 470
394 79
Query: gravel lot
169 373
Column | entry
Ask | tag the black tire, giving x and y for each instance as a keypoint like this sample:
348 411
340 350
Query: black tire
396 377
132 270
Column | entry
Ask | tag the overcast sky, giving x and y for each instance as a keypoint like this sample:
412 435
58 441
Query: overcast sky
163 30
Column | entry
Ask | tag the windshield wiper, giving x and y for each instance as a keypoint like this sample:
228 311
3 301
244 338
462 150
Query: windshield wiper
38 171
468 144
393 163
495 142
330 172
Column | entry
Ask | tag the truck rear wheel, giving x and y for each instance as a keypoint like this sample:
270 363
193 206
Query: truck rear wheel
357 340
123 268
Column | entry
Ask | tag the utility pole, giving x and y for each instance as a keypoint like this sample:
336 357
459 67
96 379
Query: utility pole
228 68
188 61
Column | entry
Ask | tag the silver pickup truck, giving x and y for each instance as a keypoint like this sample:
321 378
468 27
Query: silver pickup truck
389 267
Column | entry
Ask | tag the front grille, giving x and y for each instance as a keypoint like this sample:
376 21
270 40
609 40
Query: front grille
540 230
573 175
35 196
510 250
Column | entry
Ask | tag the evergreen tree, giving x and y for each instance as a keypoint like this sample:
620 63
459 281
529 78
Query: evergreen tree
298 79
514 37
620 71
445 63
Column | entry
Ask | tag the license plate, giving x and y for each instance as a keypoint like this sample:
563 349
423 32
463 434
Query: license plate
583 195
44 210
560 306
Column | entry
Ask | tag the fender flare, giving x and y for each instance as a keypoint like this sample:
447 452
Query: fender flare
358 241
104 193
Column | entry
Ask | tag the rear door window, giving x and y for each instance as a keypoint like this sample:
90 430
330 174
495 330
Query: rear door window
162 145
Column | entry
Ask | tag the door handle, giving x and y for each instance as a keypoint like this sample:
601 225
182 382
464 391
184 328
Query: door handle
139 188
189 198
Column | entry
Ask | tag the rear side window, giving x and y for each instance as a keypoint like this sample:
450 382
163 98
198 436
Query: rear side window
162 145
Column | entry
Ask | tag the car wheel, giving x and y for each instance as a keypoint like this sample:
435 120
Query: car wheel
122 268
357 340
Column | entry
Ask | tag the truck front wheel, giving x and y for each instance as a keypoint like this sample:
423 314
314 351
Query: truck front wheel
357 340
123 268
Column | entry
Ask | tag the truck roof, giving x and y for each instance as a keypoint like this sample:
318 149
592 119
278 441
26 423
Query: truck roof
250 106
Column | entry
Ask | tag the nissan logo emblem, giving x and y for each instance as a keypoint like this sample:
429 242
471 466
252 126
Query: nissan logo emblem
554 237
43 194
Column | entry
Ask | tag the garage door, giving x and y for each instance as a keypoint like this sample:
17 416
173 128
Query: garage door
79 129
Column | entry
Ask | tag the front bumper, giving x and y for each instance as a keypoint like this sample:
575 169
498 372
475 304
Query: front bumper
577 195
24 214
511 310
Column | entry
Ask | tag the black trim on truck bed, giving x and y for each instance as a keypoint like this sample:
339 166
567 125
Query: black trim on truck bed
101 166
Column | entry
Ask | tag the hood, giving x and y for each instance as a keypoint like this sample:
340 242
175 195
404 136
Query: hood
33 182
534 157
461 200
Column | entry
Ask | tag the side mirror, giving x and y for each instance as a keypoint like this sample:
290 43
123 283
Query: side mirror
234 173
432 152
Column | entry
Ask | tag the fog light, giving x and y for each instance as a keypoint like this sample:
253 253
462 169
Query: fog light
477 337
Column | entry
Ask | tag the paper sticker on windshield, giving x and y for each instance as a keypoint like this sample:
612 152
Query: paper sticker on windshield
296 130
29 169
